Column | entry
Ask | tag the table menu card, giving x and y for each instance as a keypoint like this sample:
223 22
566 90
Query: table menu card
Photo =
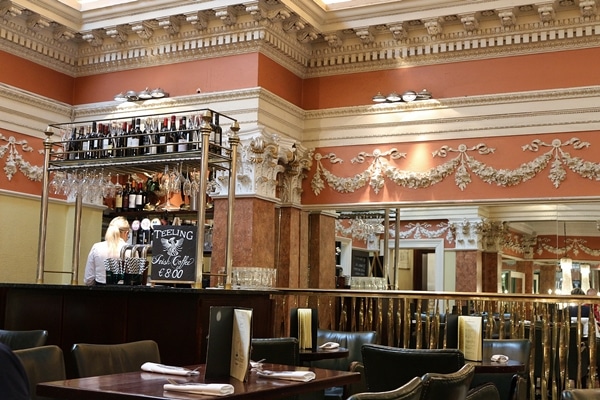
470 337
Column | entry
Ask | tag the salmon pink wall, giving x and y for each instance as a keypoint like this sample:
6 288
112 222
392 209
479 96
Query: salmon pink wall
501 75
210 75
32 77
14 144
508 154
279 80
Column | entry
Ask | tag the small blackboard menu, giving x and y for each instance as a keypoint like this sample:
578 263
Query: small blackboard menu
174 254
360 263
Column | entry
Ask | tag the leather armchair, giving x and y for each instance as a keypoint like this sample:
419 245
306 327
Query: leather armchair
353 341
387 367
42 364
452 386
486 391
581 394
276 350
104 359
17 340
410 391
510 386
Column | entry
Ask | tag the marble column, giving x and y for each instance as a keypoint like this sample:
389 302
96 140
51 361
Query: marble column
491 263
292 253
321 251
468 271
526 267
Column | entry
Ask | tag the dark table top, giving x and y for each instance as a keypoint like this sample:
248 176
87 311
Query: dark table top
146 385
491 367
320 354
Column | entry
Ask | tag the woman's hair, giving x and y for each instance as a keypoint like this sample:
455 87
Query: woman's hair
113 235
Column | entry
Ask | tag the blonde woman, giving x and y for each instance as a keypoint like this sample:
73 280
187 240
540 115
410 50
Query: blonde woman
114 238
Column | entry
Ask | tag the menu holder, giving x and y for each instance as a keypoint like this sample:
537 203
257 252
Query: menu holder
304 323
229 343
470 337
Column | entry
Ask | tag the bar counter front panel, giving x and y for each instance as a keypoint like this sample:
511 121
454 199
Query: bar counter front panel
176 318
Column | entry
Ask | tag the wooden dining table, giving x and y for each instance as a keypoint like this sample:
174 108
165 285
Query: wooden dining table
148 385
307 355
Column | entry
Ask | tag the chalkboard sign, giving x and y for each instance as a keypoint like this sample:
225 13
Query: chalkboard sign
360 263
174 254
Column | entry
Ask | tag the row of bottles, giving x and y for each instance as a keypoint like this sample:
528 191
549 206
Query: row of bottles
131 198
136 138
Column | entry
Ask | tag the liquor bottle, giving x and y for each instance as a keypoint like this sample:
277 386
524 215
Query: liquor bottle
108 142
140 196
85 143
125 197
132 195
218 136
171 136
100 153
182 135
162 136
121 141
146 140
135 133
119 200
73 145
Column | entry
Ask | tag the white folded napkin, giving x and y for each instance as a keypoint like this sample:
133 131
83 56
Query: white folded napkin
167 369
303 376
329 346
500 358
214 389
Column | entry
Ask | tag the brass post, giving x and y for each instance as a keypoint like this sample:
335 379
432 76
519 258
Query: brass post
234 141
205 130
44 207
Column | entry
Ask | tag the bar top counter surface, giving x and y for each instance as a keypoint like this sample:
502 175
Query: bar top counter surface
176 318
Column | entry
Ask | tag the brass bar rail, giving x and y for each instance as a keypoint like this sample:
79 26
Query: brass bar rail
559 343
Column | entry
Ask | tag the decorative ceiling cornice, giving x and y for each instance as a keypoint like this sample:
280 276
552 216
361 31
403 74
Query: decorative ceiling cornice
301 35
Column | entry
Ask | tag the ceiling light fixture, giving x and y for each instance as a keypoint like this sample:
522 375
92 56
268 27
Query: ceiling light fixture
405 97
146 94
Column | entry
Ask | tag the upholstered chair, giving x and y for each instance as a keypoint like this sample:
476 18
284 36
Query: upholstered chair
581 394
282 350
409 391
387 368
17 340
452 386
353 341
486 391
42 364
104 359
510 387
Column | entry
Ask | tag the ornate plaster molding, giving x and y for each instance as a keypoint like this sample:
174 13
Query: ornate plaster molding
380 171
11 151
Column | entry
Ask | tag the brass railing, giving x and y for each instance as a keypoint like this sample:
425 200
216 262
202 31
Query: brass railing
559 343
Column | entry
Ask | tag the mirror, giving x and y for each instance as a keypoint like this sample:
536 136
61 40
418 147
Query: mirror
422 256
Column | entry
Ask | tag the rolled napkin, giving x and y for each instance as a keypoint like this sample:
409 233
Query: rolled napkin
499 358
213 389
303 376
329 346
167 369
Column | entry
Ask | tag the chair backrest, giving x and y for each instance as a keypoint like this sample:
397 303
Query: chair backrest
13 378
104 359
282 350
486 391
452 386
581 394
42 364
409 391
353 341
17 340
387 367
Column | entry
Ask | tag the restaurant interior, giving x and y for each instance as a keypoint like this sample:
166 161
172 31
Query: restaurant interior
373 172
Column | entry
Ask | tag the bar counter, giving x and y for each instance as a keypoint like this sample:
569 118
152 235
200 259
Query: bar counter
176 318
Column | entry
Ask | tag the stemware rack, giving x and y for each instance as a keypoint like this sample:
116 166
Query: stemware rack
201 154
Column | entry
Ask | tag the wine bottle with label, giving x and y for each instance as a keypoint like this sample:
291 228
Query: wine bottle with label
136 134
73 146
132 195
171 136
162 136
182 135
118 199
126 197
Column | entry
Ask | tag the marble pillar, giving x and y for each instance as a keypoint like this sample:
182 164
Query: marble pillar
468 271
